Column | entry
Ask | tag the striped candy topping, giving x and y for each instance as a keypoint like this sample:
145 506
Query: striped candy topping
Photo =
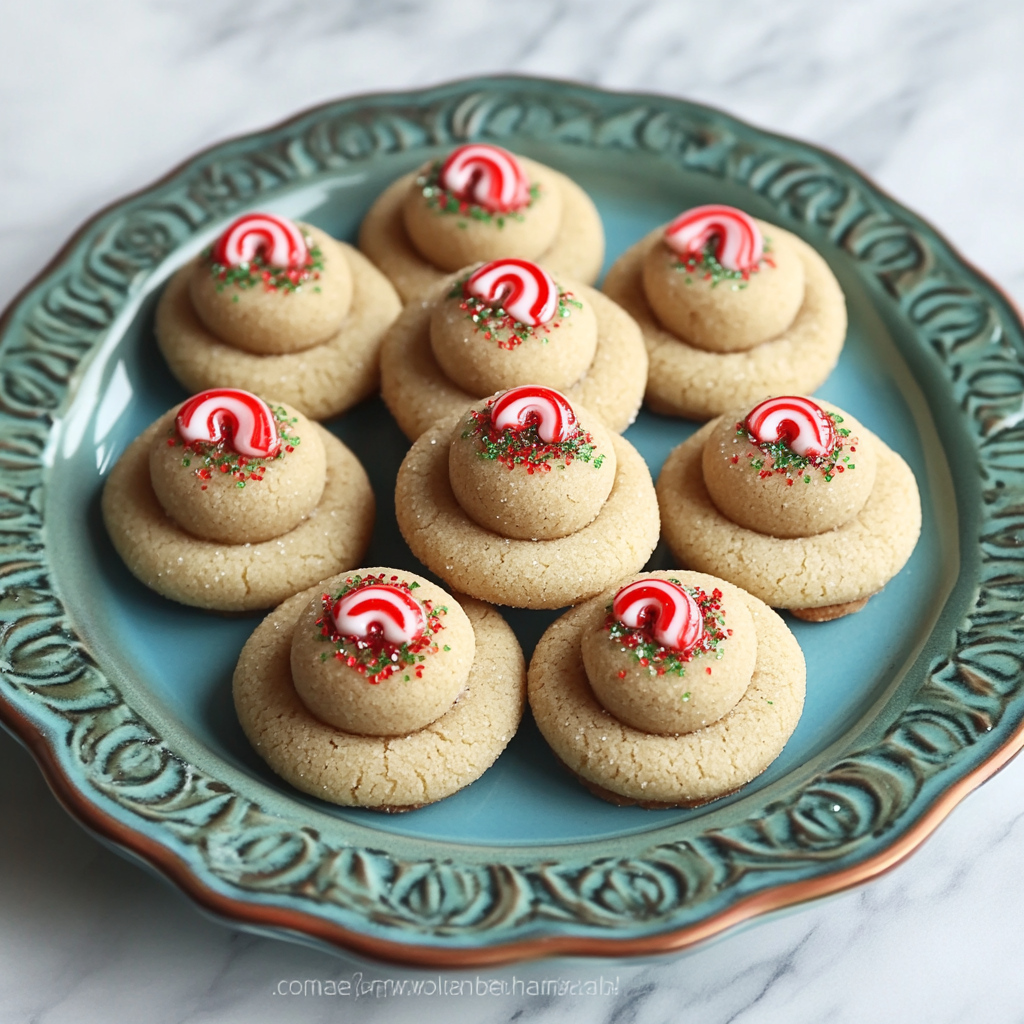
524 290
799 422
738 242
488 176
530 404
235 418
663 608
278 241
393 611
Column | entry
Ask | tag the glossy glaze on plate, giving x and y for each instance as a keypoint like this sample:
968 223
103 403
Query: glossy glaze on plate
124 697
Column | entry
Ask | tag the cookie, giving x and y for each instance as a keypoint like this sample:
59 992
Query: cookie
718 363
739 731
508 570
833 570
329 536
417 232
320 380
497 351
386 773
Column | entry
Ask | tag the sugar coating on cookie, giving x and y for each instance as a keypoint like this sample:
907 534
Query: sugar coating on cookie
523 573
722 312
483 346
840 566
245 576
772 489
667 688
381 652
686 380
514 484
451 229
217 493
386 773
267 310
627 765
320 381
576 251
418 392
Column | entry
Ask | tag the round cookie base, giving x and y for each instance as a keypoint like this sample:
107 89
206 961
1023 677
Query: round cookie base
625 765
688 381
523 573
388 774
418 393
321 381
834 568
577 251
237 577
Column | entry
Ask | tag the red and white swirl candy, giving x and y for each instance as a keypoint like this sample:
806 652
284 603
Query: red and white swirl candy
393 610
531 404
738 241
488 176
802 424
277 240
525 291
240 420
663 608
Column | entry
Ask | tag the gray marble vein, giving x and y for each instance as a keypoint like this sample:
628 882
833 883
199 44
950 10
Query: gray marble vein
925 95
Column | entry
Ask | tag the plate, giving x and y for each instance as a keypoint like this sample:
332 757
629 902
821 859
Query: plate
124 697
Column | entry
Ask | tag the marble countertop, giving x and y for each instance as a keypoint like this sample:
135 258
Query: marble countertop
923 95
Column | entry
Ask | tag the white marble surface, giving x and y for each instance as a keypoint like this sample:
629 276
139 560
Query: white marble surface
925 95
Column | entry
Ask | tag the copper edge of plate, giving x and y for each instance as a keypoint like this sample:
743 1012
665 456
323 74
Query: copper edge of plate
245 913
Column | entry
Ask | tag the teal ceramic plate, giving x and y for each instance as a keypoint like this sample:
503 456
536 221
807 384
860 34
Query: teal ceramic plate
124 697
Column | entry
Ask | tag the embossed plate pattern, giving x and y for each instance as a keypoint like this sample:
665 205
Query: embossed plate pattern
122 696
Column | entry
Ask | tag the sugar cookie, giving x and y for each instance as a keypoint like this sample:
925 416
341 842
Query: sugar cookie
682 702
473 711
584 345
827 512
722 336
207 524
481 203
310 336
500 562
